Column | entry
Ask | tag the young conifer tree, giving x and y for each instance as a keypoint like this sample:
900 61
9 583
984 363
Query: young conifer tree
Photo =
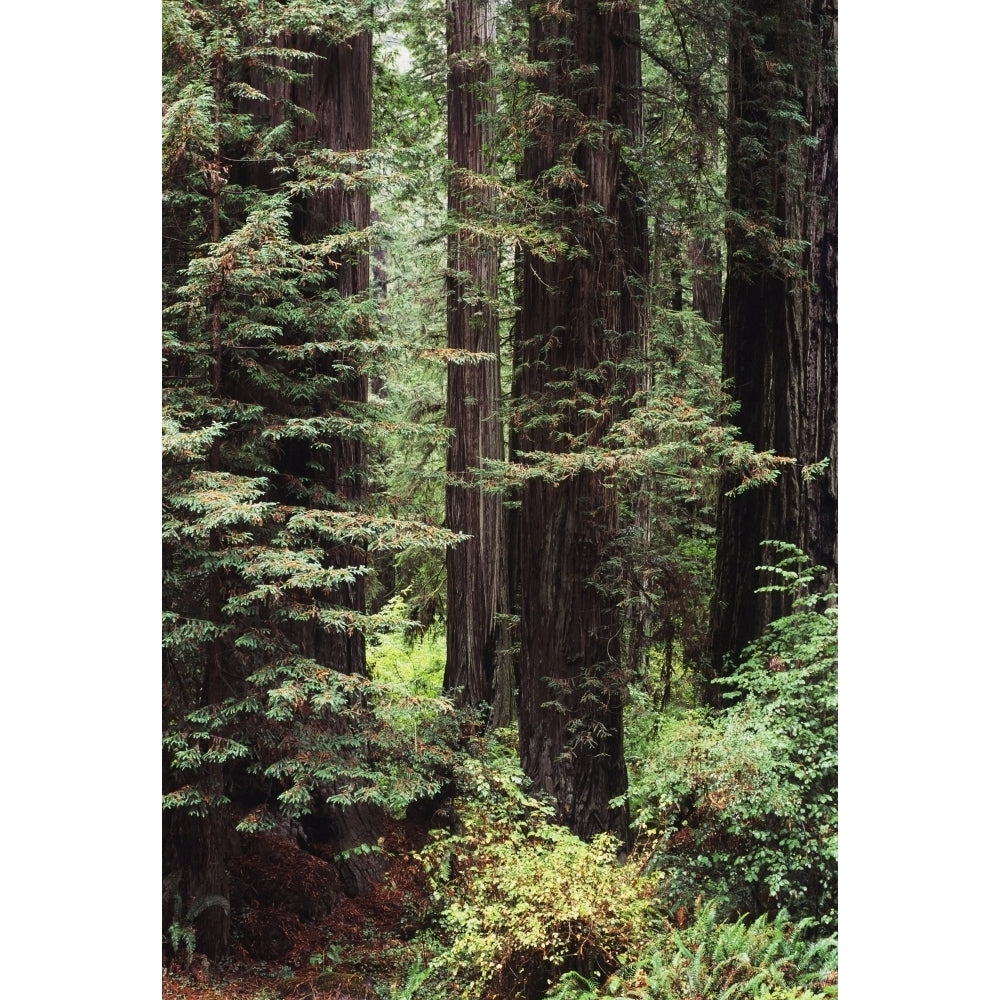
266 705
578 341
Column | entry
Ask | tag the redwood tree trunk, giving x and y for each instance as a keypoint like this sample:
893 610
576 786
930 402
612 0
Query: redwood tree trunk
706 285
478 667
780 311
580 319
339 95
333 472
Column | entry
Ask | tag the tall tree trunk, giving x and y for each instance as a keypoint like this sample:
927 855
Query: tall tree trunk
780 311
478 664
580 320
196 846
339 94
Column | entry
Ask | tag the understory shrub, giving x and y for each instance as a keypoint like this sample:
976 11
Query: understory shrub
522 900
744 802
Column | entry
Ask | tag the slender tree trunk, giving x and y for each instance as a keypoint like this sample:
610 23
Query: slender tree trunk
478 665
581 319
779 316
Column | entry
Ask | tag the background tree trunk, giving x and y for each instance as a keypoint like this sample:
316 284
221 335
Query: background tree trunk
780 311
580 320
706 285
478 648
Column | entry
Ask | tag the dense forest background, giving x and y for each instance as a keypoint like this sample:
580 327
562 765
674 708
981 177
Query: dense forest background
508 328
892 791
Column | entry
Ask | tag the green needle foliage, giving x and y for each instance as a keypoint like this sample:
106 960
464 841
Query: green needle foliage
269 525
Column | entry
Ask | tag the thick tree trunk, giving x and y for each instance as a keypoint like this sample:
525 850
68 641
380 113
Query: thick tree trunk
196 848
339 95
780 311
478 667
580 320
196 851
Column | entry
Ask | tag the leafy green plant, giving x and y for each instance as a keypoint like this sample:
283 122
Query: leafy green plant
402 658
725 961
328 959
416 976
182 936
745 802
521 900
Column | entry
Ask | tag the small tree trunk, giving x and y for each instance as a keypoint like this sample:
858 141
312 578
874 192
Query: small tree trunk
706 286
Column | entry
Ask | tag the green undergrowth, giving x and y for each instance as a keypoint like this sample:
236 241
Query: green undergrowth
406 657
742 804
732 891
708 958
520 907
516 900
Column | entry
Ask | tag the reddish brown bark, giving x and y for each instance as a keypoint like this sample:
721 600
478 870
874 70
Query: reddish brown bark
478 667
780 318
706 284
331 473
339 94
580 320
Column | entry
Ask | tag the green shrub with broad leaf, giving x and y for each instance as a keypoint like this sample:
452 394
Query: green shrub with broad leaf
744 803
520 900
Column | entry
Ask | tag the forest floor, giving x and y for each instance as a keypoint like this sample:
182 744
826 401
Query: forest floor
278 951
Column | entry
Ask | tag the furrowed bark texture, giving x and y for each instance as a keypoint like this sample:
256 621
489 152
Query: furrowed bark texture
580 320
478 666
780 311
339 94
196 848
706 286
